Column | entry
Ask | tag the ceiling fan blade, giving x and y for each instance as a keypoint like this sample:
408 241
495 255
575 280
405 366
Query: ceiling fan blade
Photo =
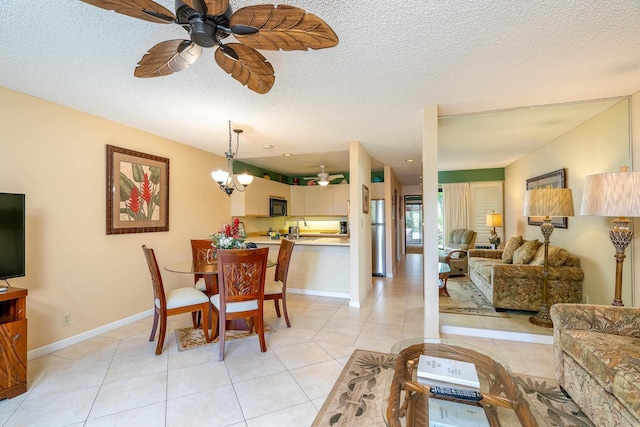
198 5
251 68
167 58
332 177
217 7
313 178
282 27
136 9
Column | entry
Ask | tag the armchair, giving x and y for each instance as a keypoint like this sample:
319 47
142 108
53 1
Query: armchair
455 250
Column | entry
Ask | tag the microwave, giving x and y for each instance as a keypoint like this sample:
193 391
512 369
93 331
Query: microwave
277 207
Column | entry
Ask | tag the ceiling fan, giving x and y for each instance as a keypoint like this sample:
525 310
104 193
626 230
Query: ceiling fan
323 178
263 26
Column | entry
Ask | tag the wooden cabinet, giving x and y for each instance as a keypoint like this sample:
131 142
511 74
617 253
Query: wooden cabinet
13 342
332 200
311 202
254 201
296 200
341 199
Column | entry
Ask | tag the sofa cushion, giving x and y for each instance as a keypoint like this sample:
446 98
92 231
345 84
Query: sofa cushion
605 356
484 266
626 387
557 256
526 252
510 247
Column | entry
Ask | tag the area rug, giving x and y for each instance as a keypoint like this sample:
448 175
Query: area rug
357 398
190 338
465 298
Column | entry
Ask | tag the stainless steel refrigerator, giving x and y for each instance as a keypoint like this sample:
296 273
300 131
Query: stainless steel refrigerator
377 235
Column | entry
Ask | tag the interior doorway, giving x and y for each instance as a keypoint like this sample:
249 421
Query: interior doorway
414 237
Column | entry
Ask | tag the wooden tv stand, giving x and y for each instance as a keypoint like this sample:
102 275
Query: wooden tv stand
13 342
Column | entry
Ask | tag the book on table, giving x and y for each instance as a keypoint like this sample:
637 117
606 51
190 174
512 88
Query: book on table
447 371
445 413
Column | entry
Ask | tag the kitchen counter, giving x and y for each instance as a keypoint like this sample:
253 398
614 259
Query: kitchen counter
306 240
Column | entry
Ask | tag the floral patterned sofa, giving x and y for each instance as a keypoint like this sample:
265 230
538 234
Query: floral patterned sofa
597 360
519 286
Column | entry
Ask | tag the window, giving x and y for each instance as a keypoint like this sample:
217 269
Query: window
485 197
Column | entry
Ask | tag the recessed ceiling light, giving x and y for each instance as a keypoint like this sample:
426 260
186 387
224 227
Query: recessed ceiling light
267 146
287 154
409 160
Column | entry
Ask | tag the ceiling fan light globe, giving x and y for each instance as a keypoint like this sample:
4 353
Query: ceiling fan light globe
245 179
220 176
323 182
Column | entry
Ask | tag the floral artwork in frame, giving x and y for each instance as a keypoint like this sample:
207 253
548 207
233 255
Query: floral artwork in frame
555 179
137 192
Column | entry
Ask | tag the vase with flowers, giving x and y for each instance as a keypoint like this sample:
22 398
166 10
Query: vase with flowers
230 237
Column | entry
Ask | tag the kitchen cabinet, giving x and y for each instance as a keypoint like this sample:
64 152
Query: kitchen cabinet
254 201
325 200
340 199
13 342
311 201
296 200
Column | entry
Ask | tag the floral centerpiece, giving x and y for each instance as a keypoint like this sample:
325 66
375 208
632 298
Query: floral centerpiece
230 237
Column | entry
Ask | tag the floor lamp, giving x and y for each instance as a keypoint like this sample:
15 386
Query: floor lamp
616 195
547 203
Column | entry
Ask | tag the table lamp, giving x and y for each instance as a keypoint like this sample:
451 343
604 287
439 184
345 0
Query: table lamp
547 203
494 220
616 195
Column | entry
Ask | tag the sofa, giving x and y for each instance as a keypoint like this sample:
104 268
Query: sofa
516 284
597 360
455 250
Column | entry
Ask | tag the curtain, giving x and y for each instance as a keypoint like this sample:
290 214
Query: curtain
456 201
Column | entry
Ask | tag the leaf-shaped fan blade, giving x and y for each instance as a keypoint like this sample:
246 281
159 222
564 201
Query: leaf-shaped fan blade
209 7
251 68
136 9
282 27
167 58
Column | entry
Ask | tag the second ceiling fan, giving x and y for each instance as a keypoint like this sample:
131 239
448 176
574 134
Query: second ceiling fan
208 22
323 178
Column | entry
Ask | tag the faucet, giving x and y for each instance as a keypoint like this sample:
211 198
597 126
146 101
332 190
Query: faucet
298 226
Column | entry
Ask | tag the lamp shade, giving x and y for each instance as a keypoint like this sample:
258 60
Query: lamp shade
612 194
220 176
494 220
551 202
245 179
323 182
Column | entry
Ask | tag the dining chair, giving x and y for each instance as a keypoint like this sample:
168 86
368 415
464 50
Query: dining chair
201 251
176 301
241 275
276 289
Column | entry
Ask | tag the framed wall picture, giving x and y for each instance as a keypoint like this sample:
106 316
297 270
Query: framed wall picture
555 179
365 199
137 192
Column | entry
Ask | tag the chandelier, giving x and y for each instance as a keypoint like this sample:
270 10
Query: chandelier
226 180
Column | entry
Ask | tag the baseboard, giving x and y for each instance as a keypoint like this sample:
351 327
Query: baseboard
59 345
345 295
497 334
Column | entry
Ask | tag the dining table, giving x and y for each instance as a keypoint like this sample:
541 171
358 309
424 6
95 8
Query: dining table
208 269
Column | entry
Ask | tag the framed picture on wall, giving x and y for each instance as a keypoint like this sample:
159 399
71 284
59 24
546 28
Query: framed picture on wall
555 179
137 192
365 199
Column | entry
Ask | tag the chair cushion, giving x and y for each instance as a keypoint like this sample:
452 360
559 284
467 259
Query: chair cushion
234 307
183 297
510 247
272 287
557 256
455 247
201 285
466 237
456 235
526 252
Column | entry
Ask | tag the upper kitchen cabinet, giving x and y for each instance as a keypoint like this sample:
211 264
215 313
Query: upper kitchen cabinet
315 200
254 201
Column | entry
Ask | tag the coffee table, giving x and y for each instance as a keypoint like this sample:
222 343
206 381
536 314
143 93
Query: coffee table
444 270
504 401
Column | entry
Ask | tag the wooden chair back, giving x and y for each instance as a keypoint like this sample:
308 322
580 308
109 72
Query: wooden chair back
241 274
202 250
156 277
284 257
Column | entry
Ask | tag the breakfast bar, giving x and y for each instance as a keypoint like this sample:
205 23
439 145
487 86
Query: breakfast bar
319 265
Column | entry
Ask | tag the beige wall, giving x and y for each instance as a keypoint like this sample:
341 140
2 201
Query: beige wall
598 146
56 156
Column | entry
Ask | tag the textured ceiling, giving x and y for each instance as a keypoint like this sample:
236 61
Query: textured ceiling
392 59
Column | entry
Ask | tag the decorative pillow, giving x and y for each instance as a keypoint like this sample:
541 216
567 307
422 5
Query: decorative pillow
525 253
511 246
557 256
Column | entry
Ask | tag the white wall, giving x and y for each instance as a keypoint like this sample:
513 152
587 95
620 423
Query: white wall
597 146
57 157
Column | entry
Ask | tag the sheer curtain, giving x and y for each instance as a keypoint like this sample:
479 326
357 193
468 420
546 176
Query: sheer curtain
456 202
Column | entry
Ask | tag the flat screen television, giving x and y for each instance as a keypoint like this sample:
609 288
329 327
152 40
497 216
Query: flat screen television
12 246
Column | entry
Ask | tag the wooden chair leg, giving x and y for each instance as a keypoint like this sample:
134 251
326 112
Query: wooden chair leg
284 309
275 302
222 326
154 328
206 318
260 331
163 332
195 316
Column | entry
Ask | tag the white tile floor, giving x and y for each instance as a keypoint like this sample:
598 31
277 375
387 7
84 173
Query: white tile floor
116 380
